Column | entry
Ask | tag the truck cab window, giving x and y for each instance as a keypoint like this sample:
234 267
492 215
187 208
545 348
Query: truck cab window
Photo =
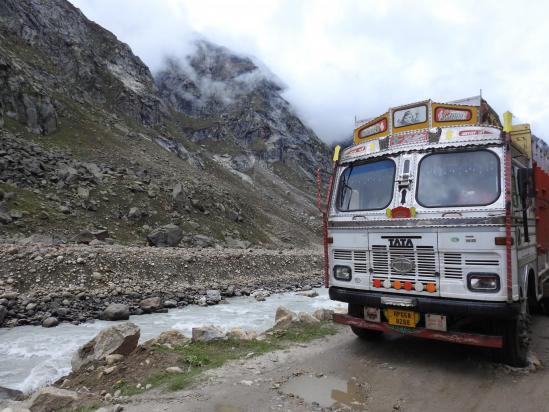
367 186
458 179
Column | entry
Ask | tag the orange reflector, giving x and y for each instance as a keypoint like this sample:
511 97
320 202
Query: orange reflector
396 284
431 287
502 241
401 212
408 285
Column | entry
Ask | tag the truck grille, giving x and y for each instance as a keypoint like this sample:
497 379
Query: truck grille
452 266
423 261
359 259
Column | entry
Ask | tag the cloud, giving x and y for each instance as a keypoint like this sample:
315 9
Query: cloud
347 58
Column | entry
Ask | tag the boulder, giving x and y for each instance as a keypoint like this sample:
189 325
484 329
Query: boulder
323 314
5 218
135 214
119 339
170 303
50 322
170 337
85 236
241 334
284 322
307 318
50 399
213 295
207 333
83 193
150 304
281 312
165 236
174 369
180 198
116 311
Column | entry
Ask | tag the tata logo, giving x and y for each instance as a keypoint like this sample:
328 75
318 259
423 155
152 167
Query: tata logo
402 265
400 242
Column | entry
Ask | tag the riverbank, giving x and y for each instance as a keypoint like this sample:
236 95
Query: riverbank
73 283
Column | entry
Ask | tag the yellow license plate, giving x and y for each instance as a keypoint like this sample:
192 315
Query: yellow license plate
405 318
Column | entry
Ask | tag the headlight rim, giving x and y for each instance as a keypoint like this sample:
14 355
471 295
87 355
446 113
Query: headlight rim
334 271
486 275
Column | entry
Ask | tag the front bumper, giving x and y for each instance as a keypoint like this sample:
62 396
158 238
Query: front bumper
423 304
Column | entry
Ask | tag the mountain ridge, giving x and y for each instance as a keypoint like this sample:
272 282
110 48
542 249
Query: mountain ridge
245 164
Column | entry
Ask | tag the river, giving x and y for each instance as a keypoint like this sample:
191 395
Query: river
33 356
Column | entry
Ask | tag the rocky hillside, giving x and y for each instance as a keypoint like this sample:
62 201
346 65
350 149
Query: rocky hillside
94 148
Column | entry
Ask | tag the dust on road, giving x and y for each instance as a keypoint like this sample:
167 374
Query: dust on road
343 372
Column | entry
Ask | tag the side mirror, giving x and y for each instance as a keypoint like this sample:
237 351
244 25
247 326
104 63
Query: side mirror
525 183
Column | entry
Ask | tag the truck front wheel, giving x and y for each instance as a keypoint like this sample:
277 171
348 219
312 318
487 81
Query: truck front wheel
358 312
515 341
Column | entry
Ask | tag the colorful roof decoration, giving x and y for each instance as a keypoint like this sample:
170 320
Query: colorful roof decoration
412 122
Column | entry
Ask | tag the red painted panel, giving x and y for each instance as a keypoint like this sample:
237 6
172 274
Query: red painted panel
541 179
471 339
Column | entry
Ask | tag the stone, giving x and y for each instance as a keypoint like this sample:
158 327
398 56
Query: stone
213 295
308 294
96 276
50 399
7 393
284 322
113 358
307 318
150 304
240 334
113 408
323 314
5 218
116 311
85 237
171 337
135 214
109 370
281 312
260 297
174 369
83 193
118 339
207 333
50 322
165 236
180 198
170 303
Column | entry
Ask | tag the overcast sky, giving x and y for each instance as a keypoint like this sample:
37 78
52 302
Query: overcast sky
341 59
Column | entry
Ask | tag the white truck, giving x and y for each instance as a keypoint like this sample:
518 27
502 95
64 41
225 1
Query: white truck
436 225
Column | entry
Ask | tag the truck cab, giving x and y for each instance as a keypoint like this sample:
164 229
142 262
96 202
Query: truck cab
431 230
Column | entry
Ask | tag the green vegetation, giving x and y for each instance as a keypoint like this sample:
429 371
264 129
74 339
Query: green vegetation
197 357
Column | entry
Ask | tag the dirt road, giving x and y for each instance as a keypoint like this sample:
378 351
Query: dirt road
342 372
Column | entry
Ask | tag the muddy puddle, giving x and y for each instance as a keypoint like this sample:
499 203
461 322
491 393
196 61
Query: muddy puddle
326 391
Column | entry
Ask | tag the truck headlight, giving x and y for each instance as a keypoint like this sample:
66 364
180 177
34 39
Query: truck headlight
483 282
343 273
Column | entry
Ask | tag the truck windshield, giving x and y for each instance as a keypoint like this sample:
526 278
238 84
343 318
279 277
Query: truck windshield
458 179
367 186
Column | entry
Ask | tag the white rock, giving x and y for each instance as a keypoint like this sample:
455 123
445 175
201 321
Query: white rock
174 369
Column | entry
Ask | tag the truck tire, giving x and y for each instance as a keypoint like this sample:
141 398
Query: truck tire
358 312
515 341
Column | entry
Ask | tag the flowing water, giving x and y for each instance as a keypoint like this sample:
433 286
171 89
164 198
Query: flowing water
32 356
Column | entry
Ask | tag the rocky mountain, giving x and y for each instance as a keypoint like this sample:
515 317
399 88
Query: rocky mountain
94 148
240 103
